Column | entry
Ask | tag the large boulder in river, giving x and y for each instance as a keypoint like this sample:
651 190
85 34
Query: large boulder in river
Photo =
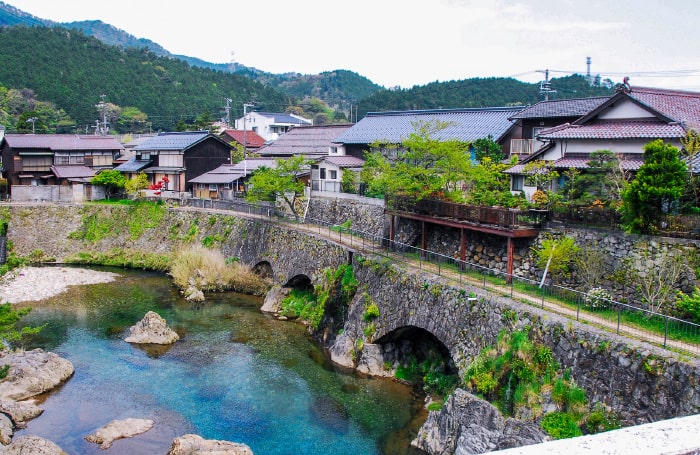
20 412
467 425
33 373
152 329
118 429
191 444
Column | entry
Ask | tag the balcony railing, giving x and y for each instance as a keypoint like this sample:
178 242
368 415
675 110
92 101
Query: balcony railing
522 146
494 216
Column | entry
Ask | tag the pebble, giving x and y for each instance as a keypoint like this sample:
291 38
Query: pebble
28 284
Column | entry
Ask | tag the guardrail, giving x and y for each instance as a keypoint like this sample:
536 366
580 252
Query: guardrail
616 317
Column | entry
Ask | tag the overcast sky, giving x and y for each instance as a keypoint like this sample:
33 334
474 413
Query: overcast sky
414 42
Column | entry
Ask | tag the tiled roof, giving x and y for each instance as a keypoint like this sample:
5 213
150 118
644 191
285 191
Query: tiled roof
681 106
133 165
172 141
69 172
251 139
615 130
574 107
63 142
582 163
344 161
309 141
464 125
212 177
283 118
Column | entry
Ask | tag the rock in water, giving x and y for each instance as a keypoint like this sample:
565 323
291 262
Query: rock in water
191 444
118 429
33 445
152 329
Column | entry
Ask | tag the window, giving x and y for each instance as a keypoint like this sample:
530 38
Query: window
517 183
334 150
201 186
323 173
170 160
213 187
227 186
333 175
145 156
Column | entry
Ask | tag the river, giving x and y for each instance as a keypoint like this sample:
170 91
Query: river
236 375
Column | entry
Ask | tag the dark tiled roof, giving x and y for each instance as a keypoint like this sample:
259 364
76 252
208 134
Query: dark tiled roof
615 130
344 161
252 139
309 141
464 125
63 142
70 172
172 141
133 165
575 107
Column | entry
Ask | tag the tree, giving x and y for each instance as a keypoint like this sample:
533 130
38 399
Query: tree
423 166
487 147
136 185
655 190
279 182
656 280
555 255
112 179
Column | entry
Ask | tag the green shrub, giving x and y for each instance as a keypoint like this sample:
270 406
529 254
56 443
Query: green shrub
371 312
560 425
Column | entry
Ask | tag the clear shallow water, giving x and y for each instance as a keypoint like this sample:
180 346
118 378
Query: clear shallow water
235 375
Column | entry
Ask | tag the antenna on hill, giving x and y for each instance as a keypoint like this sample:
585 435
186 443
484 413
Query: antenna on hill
589 79
545 85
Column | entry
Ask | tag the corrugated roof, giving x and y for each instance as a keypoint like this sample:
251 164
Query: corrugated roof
623 129
71 172
211 177
251 139
309 141
284 118
63 142
344 161
574 107
464 125
133 165
172 141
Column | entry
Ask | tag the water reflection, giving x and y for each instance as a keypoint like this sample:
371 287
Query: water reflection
236 375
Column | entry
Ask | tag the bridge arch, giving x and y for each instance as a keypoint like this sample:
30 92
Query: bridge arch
263 269
410 343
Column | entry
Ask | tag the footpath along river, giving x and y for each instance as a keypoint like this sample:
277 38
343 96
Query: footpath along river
236 374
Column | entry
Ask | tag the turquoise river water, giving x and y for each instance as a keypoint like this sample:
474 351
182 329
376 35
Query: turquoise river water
236 375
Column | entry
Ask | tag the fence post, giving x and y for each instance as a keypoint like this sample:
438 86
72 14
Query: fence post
542 296
578 305
665 331
619 315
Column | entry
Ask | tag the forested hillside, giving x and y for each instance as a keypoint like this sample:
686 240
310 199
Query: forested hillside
74 71
478 92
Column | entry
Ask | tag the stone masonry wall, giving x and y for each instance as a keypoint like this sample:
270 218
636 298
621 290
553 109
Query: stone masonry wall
639 381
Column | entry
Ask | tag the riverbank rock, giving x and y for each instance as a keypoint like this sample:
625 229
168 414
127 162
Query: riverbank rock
33 373
118 429
191 444
20 412
469 425
273 299
152 329
33 445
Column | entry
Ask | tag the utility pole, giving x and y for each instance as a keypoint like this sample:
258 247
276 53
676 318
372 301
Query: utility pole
227 109
32 120
245 140
546 86
102 108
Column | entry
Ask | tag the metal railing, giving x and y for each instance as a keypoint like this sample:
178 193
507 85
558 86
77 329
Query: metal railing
613 316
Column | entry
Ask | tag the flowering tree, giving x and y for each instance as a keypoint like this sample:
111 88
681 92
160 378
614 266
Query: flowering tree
159 186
